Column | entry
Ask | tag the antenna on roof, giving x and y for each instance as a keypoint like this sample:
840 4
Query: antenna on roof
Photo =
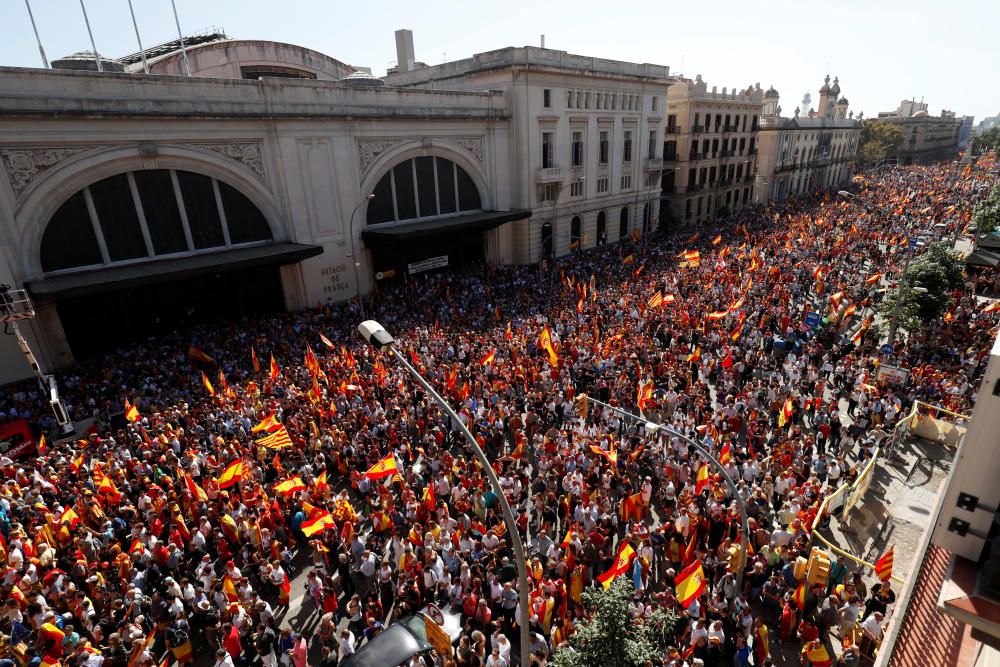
97 57
45 61
184 53
142 51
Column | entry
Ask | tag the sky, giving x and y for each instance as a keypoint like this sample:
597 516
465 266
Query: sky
882 50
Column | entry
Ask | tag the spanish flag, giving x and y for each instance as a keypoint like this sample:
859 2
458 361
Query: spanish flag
545 342
689 584
488 359
229 589
195 354
320 484
645 394
726 454
702 479
692 257
717 240
611 455
428 498
269 423
254 360
992 308
196 491
131 412
883 566
71 517
43 447
786 412
625 555
800 594
289 486
231 475
326 341
76 463
874 278
275 371
317 524
384 468
208 385
108 490
695 356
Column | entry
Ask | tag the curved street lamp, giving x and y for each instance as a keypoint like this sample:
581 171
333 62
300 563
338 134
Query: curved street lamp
380 339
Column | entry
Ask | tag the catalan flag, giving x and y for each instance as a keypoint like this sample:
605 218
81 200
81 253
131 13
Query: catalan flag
131 412
231 475
276 439
689 584
385 468
622 562
631 507
655 301
289 486
883 566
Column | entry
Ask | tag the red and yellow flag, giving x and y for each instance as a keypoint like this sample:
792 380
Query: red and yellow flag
196 491
655 301
689 584
289 486
428 498
384 468
883 566
717 240
702 479
726 454
317 524
231 475
254 360
268 423
195 354
644 395
799 596
786 412
276 439
611 455
321 484
631 507
229 589
488 358
625 555
275 371
545 342
208 385
131 412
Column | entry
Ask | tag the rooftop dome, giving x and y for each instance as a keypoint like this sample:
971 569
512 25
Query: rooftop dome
84 60
826 85
362 78
835 88
843 100
770 93
920 113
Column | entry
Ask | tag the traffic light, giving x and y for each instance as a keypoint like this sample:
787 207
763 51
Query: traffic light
734 560
818 567
582 406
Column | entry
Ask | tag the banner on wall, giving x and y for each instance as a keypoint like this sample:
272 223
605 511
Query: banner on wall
438 262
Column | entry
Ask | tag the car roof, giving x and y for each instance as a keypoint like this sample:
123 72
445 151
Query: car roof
391 647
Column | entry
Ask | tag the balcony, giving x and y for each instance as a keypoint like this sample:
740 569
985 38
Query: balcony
673 129
785 166
671 158
727 153
697 129
695 187
730 128
654 163
549 175
696 156
723 182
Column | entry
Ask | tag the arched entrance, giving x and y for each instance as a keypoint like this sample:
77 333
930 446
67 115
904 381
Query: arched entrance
623 224
575 237
151 252
602 228
547 240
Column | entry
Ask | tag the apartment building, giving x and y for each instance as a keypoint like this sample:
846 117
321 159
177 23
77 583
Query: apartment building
710 150
926 138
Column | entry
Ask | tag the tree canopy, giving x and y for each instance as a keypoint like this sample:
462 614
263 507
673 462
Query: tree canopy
986 215
935 274
878 140
988 140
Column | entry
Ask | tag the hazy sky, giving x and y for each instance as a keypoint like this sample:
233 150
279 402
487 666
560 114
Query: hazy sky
945 51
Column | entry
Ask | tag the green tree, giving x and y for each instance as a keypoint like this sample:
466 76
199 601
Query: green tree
878 140
611 638
926 287
988 140
986 215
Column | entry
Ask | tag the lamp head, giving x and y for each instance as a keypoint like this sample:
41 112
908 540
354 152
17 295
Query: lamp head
845 194
375 334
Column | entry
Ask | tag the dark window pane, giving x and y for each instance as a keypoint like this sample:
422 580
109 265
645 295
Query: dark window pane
159 205
119 220
69 238
468 194
380 208
202 211
446 185
425 186
246 222
406 203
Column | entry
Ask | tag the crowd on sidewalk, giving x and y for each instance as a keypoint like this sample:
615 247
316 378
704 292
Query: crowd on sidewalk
182 530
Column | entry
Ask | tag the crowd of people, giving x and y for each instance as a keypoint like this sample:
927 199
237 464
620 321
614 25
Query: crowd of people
179 533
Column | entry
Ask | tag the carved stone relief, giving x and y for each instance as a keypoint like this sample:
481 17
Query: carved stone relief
23 165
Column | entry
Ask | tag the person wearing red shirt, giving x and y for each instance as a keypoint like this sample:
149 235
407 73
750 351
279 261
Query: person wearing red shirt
231 642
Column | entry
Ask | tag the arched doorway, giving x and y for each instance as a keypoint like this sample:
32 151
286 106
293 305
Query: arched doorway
602 228
174 248
623 224
547 240
575 238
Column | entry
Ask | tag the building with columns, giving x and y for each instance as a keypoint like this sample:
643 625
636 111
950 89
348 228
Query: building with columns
710 149
586 138
254 176
811 151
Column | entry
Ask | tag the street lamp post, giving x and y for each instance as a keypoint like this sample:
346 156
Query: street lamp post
653 428
555 204
380 339
354 257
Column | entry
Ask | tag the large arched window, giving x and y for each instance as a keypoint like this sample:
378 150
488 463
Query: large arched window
575 239
623 224
422 187
602 228
146 214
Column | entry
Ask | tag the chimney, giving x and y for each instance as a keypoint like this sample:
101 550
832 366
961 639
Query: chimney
543 41
404 50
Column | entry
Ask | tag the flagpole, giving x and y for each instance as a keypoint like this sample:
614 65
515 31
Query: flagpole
184 53
97 57
142 52
660 428
375 334
41 51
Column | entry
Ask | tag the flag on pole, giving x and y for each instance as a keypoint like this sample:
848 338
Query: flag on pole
384 468
274 370
625 555
208 385
726 454
488 358
717 240
545 342
317 524
321 484
231 475
883 566
786 413
195 354
276 439
254 360
131 412
326 341
655 301
689 584
702 479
